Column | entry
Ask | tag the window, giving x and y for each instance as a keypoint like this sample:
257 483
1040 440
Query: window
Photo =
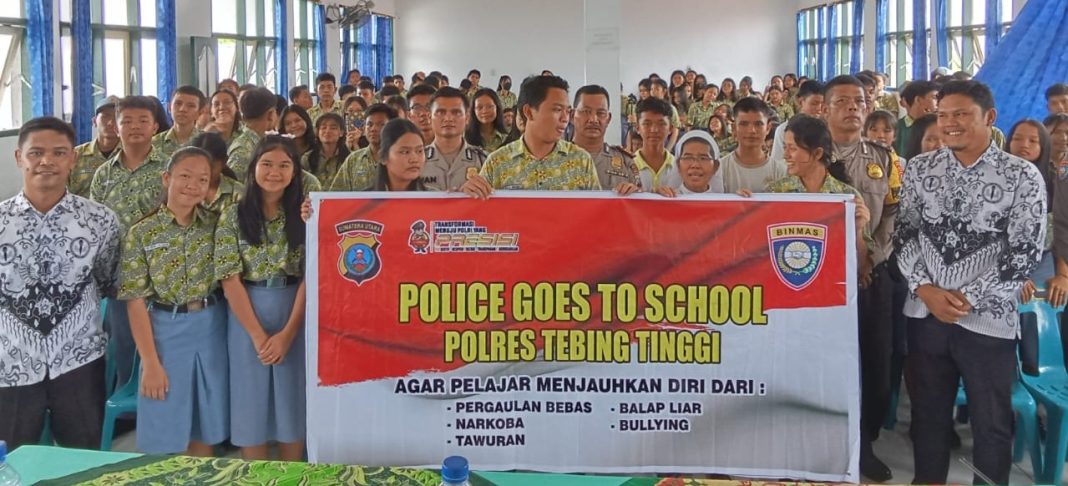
370 47
245 39
966 26
124 49
815 33
305 41
842 38
899 41
15 94
808 43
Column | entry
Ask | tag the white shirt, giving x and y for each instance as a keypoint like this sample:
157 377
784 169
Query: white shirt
54 267
668 176
737 176
711 190
778 145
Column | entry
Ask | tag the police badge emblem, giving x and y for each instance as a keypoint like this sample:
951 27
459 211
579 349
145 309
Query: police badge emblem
359 260
797 252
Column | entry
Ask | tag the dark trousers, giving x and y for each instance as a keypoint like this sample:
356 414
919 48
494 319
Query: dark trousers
75 398
939 356
876 335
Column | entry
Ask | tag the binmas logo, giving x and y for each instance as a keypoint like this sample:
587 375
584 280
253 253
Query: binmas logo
797 252
359 244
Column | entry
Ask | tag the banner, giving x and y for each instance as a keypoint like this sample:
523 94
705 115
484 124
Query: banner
585 332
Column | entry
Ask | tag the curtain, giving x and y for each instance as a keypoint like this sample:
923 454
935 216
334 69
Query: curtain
993 25
832 55
858 29
82 46
39 31
346 53
919 43
942 31
383 48
320 33
881 13
1019 81
281 48
821 57
365 54
166 52
800 44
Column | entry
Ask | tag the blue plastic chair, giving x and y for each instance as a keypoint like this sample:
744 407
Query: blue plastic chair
1026 410
1050 388
46 432
124 400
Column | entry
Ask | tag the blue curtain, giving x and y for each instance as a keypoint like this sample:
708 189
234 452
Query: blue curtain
881 13
82 46
39 33
942 31
800 46
993 25
365 54
166 51
383 48
281 48
346 52
832 30
858 30
919 44
1019 81
320 33
821 57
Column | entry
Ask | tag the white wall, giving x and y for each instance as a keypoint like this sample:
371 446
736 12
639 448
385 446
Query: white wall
10 177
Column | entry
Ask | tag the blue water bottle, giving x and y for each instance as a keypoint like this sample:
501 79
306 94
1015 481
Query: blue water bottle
8 476
454 471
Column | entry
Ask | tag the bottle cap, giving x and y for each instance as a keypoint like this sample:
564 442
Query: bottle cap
454 469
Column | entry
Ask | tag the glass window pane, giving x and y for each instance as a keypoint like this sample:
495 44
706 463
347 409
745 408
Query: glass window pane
115 71
11 9
226 53
313 33
268 15
1006 11
253 68
148 67
64 10
65 50
10 110
115 12
224 16
148 13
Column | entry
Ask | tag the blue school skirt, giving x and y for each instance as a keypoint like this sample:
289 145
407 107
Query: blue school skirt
266 402
192 348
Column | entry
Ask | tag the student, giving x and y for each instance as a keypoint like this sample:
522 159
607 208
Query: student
54 345
700 111
224 188
660 91
924 137
879 127
918 98
294 121
1057 126
1057 98
718 128
1029 140
656 166
504 92
400 104
809 98
698 160
402 156
176 315
485 125
355 118
777 102
91 155
301 96
325 88
727 92
748 167
226 119
257 111
326 157
366 91
352 78
358 170
260 262
186 102
508 118
419 101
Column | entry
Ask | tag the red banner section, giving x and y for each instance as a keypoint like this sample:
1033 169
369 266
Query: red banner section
430 284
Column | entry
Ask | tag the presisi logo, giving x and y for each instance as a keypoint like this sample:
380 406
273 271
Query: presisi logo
359 261
797 252
462 237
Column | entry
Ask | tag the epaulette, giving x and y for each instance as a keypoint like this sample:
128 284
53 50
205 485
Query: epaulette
475 153
879 145
621 150
429 152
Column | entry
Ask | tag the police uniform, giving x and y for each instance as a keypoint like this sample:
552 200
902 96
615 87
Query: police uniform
357 173
441 175
240 152
869 167
90 158
699 114
170 267
508 99
167 142
316 111
271 273
566 168
615 166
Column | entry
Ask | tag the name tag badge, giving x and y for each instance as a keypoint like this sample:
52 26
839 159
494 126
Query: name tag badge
157 246
1062 170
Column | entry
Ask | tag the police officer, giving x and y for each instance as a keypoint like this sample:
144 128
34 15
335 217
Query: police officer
449 158
615 166
868 166
91 155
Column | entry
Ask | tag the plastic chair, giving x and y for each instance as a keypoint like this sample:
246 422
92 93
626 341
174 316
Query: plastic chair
1050 388
46 432
124 400
1025 409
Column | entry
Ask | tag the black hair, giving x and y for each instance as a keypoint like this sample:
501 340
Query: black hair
917 89
421 89
309 138
654 105
237 109
315 155
392 132
1044 154
43 123
842 80
135 102
433 80
811 87
500 81
466 84
280 104
680 73
474 71
186 153
976 90
866 80
388 90
216 147
190 91
398 103
218 87
751 105
723 124
914 144
473 132
356 100
345 90
811 133
365 85
1057 89
1055 119
295 91
722 96
592 89
256 102
245 87
449 92
880 116
383 109
349 74
535 89
645 83
327 77
250 217
415 79
661 83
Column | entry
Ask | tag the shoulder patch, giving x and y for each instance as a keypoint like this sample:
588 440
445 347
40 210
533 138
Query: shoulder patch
475 153
621 150
429 151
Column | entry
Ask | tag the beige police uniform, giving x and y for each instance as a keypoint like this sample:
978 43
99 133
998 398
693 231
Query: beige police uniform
869 167
615 166
440 174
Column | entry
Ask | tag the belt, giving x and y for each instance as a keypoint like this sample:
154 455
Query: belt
193 306
274 283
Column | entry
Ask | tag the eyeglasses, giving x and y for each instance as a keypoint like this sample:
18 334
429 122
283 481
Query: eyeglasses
420 109
696 158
